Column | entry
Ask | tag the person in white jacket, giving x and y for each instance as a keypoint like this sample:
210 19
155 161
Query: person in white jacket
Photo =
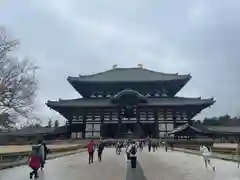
133 147
206 153
132 151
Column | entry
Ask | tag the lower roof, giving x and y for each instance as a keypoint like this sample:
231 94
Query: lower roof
218 130
103 102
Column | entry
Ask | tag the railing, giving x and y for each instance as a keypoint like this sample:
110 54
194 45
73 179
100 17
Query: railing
15 156
220 150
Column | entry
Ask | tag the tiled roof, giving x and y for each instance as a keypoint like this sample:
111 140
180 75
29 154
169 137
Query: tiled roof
101 102
184 127
224 130
129 75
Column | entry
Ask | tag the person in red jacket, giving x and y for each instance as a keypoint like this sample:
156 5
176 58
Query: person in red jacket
90 147
34 161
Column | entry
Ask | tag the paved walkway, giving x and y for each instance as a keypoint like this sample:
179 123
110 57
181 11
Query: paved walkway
159 165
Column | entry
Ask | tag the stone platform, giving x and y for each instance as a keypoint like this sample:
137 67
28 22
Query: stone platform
158 165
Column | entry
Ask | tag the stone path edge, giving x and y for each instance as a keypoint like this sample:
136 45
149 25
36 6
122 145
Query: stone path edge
24 162
198 154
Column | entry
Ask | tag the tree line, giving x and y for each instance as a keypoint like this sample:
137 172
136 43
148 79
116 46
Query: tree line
224 120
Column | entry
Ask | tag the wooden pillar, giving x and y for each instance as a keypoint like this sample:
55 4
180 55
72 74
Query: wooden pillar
119 116
138 114
149 130
93 119
138 124
189 115
110 116
146 113
101 123
69 124
84 124
155 114
174 117
139 133
165 120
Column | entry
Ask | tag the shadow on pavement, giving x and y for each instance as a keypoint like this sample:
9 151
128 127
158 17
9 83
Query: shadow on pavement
135 174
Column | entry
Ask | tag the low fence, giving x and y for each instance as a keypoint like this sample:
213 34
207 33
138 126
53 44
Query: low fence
14 156
219 150
194 144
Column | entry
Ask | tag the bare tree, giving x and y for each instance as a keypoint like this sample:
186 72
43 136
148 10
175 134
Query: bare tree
5 121
18 84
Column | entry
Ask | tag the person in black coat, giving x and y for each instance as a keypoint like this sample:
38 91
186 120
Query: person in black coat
100 150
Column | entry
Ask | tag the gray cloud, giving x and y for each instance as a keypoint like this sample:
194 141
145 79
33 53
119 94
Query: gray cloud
71 37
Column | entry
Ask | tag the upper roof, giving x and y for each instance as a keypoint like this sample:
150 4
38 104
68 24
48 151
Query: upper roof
103 102
129 75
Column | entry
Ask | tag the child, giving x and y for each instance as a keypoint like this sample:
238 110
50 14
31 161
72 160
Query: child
34 161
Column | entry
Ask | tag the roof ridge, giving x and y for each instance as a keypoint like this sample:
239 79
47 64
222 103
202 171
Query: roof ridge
99 73
143 69
193 98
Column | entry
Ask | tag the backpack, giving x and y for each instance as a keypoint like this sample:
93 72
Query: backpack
35 151
133 150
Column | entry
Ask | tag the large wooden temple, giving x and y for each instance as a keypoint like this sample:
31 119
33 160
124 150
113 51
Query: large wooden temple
123 100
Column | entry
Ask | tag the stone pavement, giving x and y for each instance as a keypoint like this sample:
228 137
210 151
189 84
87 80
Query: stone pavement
159 165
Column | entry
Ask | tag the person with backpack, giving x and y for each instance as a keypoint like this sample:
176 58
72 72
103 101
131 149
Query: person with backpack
34 161
132 151
43 152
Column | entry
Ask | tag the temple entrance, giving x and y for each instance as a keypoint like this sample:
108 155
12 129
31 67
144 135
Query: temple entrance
128 127
141 130
129 130
109 130
150 129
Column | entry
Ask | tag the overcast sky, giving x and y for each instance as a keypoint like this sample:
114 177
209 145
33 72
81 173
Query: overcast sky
71 37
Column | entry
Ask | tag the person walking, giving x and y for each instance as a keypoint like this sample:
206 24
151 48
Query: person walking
132 151
238 154
43 151
206 153
100 151
90 147
118 147
34 161
149 145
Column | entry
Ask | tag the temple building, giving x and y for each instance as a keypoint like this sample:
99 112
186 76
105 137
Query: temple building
135 100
